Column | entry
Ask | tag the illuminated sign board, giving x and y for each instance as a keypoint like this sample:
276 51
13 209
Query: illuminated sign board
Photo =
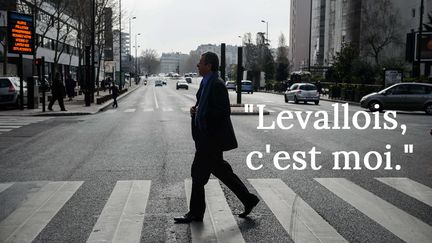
20 33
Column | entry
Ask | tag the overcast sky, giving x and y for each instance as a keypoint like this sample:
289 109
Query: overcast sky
182 25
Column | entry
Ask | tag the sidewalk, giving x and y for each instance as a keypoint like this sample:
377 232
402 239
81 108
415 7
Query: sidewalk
75 107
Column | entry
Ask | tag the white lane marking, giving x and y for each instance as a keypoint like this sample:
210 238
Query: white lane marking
111 111
5 130
123 215
190 96
4 186
156 103
400 223
167 109
130 110
300 221
410 187
7 126
26 222
219 224
186 109
148 109
14 123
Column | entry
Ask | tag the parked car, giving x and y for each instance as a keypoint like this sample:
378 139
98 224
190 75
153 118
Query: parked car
182 84
164 82
247 86
401 96
158 83
302 92
10 91
188 80
230 85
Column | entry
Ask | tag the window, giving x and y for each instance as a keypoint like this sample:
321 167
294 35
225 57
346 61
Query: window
400 90
417 89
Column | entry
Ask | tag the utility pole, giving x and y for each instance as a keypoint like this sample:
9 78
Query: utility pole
92 44
310 36
419 42
222 65
120 47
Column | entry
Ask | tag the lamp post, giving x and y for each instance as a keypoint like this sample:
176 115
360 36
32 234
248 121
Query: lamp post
241 40
136 53
130 40
266 22
120 47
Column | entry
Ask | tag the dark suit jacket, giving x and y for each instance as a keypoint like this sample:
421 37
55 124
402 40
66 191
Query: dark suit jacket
219 133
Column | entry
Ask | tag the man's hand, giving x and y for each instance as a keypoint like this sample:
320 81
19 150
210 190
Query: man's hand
193 110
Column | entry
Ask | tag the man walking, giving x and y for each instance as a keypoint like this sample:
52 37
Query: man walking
58 92
115 92
213 133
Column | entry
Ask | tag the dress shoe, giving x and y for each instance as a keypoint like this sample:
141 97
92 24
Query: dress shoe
249 206
64 110
187 218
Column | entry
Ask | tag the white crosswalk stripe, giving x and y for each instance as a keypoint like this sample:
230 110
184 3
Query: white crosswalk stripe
301 222
130 110
410 188
223 228
25 223
123 215
9 123
4 186
400 223
110 111
167 109
148 109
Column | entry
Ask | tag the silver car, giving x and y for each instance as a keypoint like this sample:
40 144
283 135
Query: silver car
302 92
10 91
401 96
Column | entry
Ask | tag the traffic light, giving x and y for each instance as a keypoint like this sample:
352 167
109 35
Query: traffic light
38 61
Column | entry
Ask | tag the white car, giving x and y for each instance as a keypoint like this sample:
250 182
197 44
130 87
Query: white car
10 91
302 92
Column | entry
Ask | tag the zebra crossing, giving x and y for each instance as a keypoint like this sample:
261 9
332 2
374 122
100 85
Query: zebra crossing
123 214
9 123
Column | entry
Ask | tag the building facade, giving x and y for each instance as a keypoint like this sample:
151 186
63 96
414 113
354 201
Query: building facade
299 34
56 43
335 22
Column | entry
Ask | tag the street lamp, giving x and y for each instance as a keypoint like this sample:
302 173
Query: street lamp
136 54
266 22
130 41
241 40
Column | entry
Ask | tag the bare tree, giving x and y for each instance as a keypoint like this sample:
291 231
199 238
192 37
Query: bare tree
380 27
149 61
282 63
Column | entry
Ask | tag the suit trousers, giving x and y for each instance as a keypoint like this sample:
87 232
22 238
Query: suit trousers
212 162
60 102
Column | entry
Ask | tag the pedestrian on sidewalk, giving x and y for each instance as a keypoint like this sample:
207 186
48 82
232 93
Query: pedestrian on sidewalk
70 87
213 134
115 92
58 92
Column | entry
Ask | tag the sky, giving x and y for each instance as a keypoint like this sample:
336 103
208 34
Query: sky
182 25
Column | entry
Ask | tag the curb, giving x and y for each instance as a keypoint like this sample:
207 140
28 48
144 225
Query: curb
74 113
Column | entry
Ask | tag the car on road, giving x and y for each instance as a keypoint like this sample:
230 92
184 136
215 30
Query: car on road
230 85
302 92
10 91
158 83
182 84
188 80
247 86
401 96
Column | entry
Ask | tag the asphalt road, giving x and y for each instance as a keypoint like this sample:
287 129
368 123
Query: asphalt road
148 138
